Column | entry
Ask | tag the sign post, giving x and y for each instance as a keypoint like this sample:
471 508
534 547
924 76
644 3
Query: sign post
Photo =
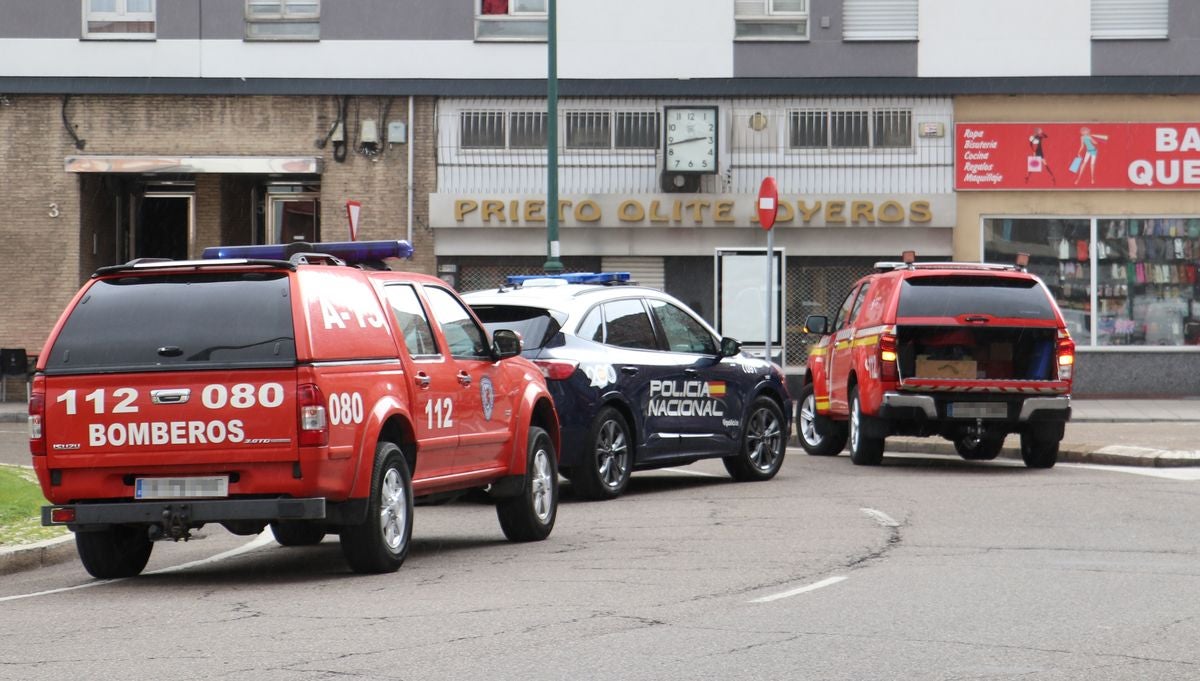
768 208
353 208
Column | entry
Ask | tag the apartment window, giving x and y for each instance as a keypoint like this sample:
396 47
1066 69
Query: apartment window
527 130
283 19
879 20
119 19
1129 19
511 20
588 129
770 19
878 129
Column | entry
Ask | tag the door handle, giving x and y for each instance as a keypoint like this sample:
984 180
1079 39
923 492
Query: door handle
464 378
422 379
690 371
629 371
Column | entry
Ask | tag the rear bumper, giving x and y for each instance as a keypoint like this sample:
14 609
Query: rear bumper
897 405
190 513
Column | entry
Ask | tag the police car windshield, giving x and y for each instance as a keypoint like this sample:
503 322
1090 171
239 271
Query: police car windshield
951 296
192 321
536 325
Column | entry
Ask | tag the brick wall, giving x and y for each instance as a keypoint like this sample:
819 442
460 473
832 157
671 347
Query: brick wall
49 246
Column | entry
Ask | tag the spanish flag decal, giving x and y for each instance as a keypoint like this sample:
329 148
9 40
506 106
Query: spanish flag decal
716 389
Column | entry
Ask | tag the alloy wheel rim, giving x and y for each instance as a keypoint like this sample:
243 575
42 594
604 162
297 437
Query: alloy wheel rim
612 454
393 510
541 487
764 437
808 421
854 425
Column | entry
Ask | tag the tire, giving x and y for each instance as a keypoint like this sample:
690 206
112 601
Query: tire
818 435
763 445
864 451
605 472
530 515
1038 452
114 552
298 532
380 543
976 448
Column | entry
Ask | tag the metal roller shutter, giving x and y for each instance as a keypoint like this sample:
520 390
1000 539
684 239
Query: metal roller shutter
1129 19
879 20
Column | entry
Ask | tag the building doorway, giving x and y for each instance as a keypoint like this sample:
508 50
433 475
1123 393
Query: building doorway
293 214
163 225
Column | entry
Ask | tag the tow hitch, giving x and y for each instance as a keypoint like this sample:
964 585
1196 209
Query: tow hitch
175 520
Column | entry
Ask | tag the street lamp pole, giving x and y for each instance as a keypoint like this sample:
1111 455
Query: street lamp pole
553 264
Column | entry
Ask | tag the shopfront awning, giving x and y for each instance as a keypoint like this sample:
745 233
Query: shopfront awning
245 165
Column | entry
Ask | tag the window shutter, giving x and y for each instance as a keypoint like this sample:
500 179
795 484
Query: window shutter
750 8
879 20
646 271
1129 19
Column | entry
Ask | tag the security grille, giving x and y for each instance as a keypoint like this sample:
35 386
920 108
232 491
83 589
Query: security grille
476 274
816 286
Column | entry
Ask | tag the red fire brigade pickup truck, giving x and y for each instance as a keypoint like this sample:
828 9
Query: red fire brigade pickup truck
274 385
969 352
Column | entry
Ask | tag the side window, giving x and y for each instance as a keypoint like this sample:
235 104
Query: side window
684 333
628 325
858 301
844 314
464 337
592 327
283 19
411 319
119 19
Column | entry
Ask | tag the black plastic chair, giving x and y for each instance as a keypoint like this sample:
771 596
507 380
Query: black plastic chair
13 362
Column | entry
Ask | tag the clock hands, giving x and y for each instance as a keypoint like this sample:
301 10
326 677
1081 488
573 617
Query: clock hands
690 139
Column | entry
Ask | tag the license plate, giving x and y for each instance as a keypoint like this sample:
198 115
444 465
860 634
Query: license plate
977 410
181 488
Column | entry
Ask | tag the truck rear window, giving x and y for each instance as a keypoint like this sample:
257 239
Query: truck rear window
951 296
192 321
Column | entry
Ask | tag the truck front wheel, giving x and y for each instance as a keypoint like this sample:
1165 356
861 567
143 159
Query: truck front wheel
380 543
114 552
529 516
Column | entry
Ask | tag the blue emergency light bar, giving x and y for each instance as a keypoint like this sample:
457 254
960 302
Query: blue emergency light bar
572 278
351 252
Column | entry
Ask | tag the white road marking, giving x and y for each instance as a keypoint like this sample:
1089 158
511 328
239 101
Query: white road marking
261 540
1180 474
880 517
800 590
691 472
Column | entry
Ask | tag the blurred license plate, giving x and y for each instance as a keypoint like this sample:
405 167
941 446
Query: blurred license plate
181 488
977 410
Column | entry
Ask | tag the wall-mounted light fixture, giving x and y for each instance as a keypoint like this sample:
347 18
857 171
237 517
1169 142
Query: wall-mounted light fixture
758 121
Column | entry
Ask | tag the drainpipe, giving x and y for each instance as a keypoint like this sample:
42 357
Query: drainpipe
409 220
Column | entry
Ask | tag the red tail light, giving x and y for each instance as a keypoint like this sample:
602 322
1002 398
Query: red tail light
310 405
556 369
37 415
62 515
1065 356
887 357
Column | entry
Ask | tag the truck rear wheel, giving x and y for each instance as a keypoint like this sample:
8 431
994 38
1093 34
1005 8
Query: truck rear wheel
380 543
1038 452
818 435
530 515
864 450
114 552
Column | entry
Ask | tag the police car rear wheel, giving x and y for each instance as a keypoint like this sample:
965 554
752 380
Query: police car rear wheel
605 474
819 435
114 552
763 443
530 515
380 543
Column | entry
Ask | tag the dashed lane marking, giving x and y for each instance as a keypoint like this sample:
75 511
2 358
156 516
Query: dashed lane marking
800 590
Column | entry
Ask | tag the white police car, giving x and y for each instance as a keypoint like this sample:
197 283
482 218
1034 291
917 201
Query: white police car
640 381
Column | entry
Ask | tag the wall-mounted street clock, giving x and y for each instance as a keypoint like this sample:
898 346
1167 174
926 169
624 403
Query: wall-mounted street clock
690 139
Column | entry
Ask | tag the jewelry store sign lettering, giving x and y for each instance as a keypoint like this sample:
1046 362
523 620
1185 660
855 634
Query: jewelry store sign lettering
693 210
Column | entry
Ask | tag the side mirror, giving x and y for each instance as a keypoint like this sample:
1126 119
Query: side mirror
505 343
730 347
816 323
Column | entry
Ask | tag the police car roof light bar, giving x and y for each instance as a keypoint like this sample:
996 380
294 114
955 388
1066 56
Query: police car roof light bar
352 252
571 278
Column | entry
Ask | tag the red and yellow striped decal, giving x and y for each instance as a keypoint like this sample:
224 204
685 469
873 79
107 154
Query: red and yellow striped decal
716 388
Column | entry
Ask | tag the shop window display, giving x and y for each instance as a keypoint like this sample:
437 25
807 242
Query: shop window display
1138 280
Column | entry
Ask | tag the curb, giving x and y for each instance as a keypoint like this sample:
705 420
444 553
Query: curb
1112 455
39 554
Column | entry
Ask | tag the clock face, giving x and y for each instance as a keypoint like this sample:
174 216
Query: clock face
690 139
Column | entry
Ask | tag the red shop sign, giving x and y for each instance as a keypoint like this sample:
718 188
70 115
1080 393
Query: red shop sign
1073 156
